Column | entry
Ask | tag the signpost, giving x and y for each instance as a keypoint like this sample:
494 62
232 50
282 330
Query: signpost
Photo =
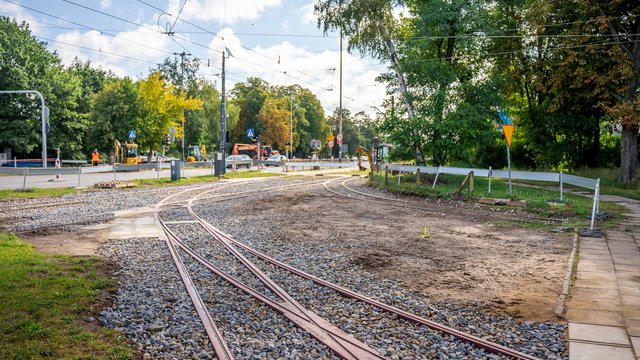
507 129
330 143
250 133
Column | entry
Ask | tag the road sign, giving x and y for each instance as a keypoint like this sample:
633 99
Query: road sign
330 143
508 132
250 133
339 141
172 131
315 144
132 134
339 138
330 137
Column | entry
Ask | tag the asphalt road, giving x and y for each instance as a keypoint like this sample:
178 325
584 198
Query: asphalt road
43 181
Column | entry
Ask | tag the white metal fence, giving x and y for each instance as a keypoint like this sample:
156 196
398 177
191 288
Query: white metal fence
558 177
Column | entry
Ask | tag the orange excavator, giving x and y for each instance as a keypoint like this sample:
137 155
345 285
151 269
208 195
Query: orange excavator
266 150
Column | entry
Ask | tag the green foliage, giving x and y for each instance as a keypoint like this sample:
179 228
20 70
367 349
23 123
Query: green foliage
43 302
116 109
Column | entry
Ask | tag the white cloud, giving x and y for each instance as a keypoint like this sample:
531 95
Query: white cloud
137 44
221 10
318 72
105 4
20 14
308 17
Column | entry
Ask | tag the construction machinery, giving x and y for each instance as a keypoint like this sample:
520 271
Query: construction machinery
127 153
366 152
266 150
195 153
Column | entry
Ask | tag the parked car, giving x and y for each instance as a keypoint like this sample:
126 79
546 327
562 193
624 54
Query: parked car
231 158
278 158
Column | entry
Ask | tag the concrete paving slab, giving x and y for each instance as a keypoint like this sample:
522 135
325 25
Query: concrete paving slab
635 342
587 293
633 327
597 267
590 275
630 300
632 268
598 333
596 284
584 351
597 304
596 317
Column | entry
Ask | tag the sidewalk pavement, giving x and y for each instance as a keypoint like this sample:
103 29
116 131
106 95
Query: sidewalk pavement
604 309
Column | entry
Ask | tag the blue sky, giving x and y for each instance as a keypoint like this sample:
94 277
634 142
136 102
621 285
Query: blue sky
277 40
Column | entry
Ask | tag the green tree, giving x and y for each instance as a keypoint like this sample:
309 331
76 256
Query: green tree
274 117
370 26
117 109
163 109
25 64
248 97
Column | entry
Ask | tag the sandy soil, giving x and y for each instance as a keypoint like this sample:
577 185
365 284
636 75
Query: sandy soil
510 269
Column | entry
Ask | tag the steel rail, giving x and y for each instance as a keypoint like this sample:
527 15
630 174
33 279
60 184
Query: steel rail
241 194
215 336
477 341
345 344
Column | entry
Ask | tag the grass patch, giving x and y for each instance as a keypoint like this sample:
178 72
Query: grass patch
44 300
36 193
575 208
205 178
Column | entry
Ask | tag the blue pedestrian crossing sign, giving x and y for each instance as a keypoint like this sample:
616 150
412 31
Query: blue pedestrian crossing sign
250 133
132 134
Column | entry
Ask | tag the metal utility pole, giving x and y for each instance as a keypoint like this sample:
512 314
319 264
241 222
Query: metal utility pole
291 130
223 109
182 55
340 131
45 119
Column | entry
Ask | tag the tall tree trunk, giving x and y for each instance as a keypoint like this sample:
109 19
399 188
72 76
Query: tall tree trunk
403 87
629 154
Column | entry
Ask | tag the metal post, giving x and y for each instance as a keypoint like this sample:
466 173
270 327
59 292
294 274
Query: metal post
44 121
561 190
435 181
15 162
596 198
418 176
79 172
386 174
598 202
24 180
340 131
290 155
114 173
509 169
490 174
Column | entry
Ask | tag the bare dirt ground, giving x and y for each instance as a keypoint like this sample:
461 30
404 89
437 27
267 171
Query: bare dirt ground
510 269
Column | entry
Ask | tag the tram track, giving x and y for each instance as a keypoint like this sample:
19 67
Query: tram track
431 207
344 345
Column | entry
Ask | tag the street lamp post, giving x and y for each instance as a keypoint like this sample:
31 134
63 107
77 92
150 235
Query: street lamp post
45 119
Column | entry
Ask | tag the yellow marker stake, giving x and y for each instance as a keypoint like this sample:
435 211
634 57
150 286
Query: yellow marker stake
425 235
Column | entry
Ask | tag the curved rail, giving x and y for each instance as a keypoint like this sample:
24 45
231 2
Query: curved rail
230 243
427 208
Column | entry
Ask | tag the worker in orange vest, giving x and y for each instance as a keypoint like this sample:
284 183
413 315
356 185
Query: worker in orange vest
95 157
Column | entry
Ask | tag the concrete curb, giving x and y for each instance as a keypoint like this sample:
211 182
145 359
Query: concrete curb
560 309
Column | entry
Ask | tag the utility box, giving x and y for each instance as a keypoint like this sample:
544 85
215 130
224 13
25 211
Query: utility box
175 170
218 164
